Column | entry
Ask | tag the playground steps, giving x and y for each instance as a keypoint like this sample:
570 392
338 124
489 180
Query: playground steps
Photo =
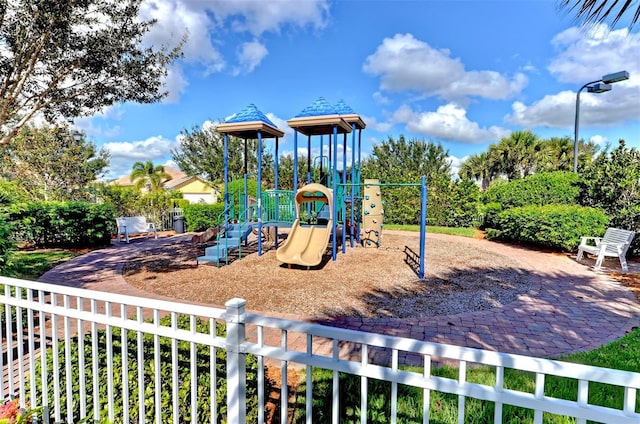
233 237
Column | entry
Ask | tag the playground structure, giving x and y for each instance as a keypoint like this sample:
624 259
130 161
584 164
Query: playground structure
329 208
307 242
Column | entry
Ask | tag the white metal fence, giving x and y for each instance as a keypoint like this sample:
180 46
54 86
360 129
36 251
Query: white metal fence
70 353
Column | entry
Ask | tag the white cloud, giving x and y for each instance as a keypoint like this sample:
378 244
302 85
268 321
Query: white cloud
456 162
448 122
380 98
375 125
584 57
258 17
405 63
587 55
250 56
102 123
175 83
207 26
175 18
125 154
599 140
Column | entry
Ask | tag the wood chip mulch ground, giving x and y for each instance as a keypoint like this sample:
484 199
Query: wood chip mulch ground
362 283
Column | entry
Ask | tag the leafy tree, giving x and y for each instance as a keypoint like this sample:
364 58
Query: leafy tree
592 11
52 163
201 152
402 161
148 176
11 192
125 200
73 58
612 183
285 171
464 204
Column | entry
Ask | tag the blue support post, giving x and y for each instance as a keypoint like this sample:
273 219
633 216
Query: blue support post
334 244
423 223
309 159
359 181
344 193
353 183
295 162
321 154
245 202
275 182
226 178
259 193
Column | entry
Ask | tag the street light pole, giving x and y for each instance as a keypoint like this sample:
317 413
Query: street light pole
597 86
576 125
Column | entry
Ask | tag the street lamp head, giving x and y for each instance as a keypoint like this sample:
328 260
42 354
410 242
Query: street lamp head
615 77
598 88
77 135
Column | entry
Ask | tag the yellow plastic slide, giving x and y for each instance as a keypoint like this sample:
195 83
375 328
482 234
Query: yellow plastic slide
306 244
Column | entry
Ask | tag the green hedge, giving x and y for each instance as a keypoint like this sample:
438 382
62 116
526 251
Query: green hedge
546 188
200 217
6 243
63 224
554 226
204 360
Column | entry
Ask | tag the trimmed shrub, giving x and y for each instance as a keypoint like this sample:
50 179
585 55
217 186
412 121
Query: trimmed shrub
63 224
203 374
6 243
200 217
491 211
181 203
545 188
554 226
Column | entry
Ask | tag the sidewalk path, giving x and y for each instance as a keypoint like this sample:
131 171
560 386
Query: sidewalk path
570 307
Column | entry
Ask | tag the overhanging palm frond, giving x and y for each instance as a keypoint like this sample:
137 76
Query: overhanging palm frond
598 11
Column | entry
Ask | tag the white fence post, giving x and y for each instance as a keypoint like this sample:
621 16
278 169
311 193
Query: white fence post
236 363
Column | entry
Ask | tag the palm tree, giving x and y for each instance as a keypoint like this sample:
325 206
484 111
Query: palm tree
480 168
516 155
148 176
597 11
556 154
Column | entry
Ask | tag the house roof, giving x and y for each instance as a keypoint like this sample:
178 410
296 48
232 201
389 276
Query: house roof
248 123
176 177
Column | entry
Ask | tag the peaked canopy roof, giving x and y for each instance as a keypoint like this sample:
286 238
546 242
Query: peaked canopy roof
349 114
320 117
248 122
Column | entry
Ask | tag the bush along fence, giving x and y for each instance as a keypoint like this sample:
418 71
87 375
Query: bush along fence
73 354
62 224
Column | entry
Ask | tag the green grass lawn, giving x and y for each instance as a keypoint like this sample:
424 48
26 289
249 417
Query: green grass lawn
30 265
466 232
623 354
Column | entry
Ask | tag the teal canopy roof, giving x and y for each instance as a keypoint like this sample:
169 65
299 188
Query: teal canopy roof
249 114
248 123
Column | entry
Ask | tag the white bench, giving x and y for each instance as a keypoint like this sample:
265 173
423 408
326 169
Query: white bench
135 225
615 244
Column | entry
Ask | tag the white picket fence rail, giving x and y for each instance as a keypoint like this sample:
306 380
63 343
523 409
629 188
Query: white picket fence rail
42 323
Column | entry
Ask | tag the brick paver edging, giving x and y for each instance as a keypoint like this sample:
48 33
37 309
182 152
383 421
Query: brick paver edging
570 307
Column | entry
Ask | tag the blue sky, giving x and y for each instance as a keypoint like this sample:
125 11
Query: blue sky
460 73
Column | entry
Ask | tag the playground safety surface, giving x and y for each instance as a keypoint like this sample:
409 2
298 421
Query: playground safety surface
542 304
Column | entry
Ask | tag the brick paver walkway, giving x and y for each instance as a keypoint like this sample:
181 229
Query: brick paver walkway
569 308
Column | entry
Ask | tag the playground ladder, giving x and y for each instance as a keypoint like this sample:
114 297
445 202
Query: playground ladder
232 239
